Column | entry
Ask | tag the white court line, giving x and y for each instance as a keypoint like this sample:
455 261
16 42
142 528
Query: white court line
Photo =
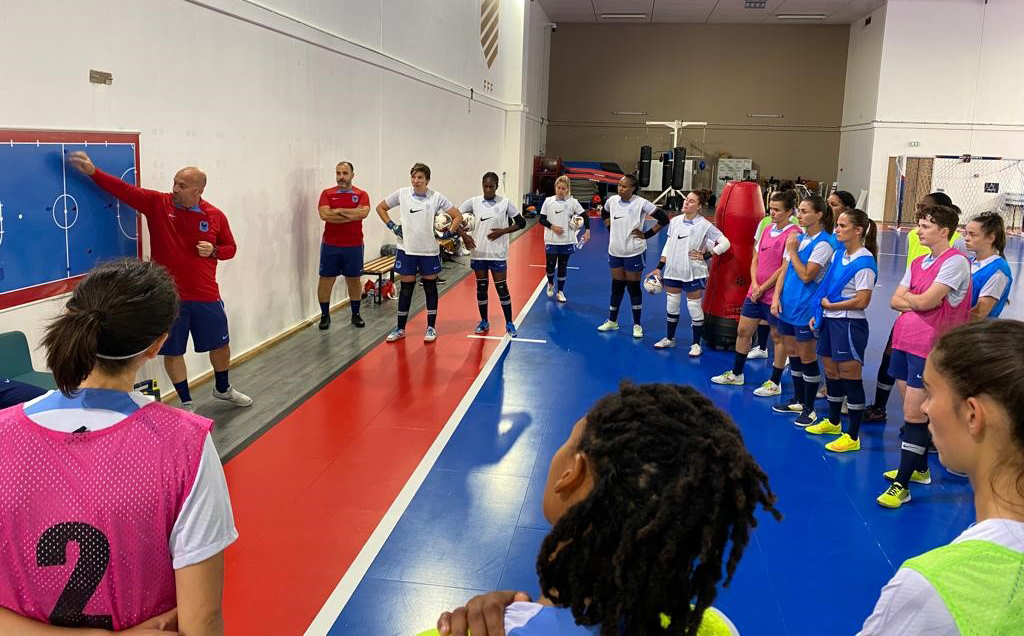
343 592
566 267
64 179
503 337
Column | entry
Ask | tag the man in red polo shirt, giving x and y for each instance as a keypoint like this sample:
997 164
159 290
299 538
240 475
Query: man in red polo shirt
342 209
187 236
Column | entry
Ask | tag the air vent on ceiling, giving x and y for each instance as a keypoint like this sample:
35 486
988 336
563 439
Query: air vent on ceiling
754 4
623 16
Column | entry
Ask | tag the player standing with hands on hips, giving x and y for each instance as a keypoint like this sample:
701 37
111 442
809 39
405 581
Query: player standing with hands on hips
188 236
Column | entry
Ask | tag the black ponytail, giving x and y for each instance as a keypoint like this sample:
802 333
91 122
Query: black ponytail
119 310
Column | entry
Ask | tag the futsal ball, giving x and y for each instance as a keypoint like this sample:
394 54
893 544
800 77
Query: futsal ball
388 249
576 223
442 221
652 284
469 222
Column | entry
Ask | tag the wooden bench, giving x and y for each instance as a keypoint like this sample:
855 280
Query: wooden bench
379 267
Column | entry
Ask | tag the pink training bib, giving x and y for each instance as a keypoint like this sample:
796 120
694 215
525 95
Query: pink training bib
85 518
769 258
915 332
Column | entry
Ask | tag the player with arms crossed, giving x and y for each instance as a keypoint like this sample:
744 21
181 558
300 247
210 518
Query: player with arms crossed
342 209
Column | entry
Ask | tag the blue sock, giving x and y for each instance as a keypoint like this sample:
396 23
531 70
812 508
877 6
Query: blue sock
325 308
221 380
183 392
355 306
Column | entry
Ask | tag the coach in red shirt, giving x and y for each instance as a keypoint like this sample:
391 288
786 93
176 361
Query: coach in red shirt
342 209
188 236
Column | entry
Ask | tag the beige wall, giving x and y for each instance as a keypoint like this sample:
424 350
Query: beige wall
700 72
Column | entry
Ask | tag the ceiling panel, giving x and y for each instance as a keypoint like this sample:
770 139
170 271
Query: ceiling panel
711 11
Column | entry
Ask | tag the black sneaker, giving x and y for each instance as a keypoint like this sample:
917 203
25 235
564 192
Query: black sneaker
357 320
325 321
874 414
792 407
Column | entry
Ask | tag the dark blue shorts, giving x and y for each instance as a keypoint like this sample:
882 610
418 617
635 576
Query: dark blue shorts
341 261
207 323
803 333
412 265
560 249
13 392
479 265
628 263
760 311
687 286
843 339
907 367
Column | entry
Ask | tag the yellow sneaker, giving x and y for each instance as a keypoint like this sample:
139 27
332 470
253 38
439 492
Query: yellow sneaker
824 427
844 444
917 477
894 497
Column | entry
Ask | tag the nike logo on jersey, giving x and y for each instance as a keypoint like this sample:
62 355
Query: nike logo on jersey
482 219
682 236
618 217
415 211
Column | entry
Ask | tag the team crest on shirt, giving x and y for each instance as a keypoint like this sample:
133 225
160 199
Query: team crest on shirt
355 198
204 226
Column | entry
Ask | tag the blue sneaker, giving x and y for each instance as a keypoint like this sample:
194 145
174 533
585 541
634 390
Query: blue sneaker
483 327
510 329
430 335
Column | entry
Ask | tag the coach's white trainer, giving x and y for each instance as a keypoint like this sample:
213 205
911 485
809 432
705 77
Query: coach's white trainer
235 397
665 343
695 350
757 353
608 325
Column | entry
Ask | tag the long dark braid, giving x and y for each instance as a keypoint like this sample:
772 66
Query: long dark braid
673 485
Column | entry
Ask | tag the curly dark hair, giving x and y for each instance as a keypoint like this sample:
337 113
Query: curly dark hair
674 485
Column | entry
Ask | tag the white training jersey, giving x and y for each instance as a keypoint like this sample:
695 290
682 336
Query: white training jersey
626 216
416 213
910 606
684 236
490 215
558 212
206 525
862 280
955 274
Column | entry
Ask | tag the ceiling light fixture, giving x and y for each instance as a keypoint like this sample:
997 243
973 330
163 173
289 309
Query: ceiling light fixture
623 16
755 4
629 112
800 16
765 115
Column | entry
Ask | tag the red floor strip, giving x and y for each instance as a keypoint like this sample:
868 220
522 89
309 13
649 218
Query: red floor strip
310 491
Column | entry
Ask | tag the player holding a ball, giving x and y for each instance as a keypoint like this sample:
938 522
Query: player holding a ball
418 252
488 220
559 215
683 267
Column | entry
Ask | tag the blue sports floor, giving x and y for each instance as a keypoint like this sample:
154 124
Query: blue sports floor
475 523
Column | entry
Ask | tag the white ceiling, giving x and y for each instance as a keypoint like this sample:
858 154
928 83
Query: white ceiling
708 11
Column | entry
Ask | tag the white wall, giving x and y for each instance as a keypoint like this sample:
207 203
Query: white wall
267 100
949 80
860 102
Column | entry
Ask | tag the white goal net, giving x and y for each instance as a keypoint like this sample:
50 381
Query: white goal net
982 184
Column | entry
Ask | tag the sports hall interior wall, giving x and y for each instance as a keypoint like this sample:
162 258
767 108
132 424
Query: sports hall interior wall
266 98
719 73
944 74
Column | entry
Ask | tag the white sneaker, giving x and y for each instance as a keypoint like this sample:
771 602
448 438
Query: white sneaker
188 406
235 397
608 325
665 343
695 350
551 290
757 353
396 334
728 378
561 297
638 331
768 389
430 335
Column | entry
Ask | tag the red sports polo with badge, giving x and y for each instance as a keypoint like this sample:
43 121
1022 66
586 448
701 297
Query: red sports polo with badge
174 233
344 234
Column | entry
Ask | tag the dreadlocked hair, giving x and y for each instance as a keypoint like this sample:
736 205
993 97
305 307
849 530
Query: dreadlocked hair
673 486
